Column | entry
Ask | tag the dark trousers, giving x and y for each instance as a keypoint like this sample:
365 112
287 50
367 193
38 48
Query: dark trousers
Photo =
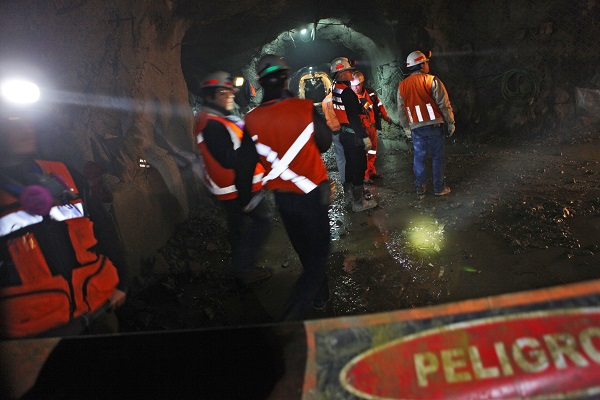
306 221
356 158
247 232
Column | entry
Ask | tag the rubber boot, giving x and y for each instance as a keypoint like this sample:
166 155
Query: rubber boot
348 198
360 203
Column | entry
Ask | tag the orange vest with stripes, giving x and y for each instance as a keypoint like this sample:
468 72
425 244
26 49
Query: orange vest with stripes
338 105
221 181
43 301
418 101
283 132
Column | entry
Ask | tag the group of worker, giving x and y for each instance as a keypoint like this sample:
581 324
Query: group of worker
277 146
62 265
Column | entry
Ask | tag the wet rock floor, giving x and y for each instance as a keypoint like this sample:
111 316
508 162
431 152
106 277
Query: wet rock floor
521 216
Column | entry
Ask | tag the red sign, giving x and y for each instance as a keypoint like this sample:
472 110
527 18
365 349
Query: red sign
523 355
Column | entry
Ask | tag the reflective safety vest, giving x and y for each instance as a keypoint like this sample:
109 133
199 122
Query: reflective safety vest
42 301
283 132
221 181
327 105
338 105
368 115
416 90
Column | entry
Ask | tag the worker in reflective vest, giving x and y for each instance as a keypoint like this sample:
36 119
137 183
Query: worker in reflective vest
59 249
289 137
374 112
334 125
219 134
423 107
353 135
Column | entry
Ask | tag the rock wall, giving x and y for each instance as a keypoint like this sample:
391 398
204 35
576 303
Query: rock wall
114 93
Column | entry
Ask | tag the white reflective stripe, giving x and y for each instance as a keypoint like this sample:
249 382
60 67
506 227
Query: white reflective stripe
379 104
216 190
257 178
409 114
302 182
199 138
278 166
339 107
372 152
22 219
17 220
338 90
430 111
68 211
419 115
234 137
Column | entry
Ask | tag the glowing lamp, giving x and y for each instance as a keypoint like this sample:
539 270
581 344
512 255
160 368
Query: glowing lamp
20 91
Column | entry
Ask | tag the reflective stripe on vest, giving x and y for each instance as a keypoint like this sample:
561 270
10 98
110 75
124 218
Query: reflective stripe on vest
416 91
280 167
21 219
225 187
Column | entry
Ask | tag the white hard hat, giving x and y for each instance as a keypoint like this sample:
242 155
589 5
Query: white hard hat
416 58
270 63
341 64
218 79
357 78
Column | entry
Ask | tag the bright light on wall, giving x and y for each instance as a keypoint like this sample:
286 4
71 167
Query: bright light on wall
20 91
239 81
303 31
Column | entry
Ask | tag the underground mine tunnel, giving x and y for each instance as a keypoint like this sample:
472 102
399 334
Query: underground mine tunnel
119 95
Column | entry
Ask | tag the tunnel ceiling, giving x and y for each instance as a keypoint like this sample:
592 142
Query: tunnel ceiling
233 35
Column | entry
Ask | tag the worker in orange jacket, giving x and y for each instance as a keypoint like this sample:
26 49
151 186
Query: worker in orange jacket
374 112
289 137
219 134
61 260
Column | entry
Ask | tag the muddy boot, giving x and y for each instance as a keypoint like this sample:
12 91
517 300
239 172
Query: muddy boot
360 203
348 199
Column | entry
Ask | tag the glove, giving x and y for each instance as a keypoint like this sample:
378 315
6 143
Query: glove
451 129
367 143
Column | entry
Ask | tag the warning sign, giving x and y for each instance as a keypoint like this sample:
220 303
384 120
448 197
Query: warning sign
532 349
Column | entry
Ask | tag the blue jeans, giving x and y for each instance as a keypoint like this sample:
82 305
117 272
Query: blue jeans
429 139
340 159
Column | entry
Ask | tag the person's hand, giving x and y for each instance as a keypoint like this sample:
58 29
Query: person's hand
451 129
117 299
367 143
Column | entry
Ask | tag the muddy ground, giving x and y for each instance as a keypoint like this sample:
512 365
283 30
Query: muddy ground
523 214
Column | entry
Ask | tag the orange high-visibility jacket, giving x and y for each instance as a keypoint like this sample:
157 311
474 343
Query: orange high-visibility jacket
419 104
283 132
41 300
221 181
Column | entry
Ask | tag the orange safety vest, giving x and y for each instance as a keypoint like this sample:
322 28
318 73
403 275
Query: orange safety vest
221 181
338 105
283 132
43 301
328 111
368 116
416 92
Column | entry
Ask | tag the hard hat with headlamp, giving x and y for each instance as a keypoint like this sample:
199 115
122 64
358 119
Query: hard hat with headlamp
218 79
341 64
416 57
271 63
357 78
